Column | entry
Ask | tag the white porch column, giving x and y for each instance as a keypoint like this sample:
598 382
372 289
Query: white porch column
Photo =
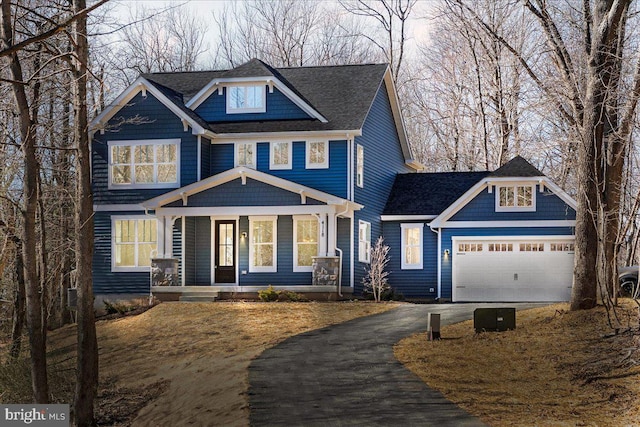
322 249
332 231
160 238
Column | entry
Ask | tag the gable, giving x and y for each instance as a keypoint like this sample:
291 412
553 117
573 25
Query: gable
278 107
251 193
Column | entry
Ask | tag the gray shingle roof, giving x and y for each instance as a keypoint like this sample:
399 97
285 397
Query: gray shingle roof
343 94
428 193
517 167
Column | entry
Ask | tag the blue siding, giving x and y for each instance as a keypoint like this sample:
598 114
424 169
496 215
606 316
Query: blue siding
447 235
483 208
190 250
104 280
203 251
163 124
383 159
331 180
205 158
412 283
279 107
253 193
344 243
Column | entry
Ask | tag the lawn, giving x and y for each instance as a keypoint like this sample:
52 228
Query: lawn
558 368
187 363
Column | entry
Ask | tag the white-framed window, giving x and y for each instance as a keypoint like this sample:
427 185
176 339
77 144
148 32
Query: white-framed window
280 155
133 243
246 99
245 154
263 232
147 163
411 242
510 198
364 241
305 241
359 165
317 154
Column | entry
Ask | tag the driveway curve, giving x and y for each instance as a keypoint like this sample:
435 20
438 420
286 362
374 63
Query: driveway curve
347 375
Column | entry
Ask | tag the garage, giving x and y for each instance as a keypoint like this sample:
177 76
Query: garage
510 269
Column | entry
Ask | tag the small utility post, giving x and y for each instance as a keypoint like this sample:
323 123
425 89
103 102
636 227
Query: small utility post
433 327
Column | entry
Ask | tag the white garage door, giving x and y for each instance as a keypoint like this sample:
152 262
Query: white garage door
504 269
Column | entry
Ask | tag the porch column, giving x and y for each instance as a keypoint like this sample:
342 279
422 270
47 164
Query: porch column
168 236
160 236
322 222
332 232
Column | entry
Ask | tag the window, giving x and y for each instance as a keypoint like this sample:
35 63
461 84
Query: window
364 241
562 247
262 247
144 164
516 198
246 154
317 154
134 242
280 157
500 247
360 166
305 242
531 247
470 247
411 246
246 99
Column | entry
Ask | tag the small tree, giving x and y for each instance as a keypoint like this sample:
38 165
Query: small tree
375 279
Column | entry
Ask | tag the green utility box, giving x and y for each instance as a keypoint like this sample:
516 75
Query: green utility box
494 319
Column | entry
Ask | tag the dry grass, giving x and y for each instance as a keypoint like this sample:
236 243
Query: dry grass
186 363
558 368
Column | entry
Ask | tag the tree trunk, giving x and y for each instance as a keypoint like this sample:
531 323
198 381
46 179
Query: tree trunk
18 306
37 342
87 366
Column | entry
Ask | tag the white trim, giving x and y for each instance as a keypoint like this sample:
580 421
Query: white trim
307 149
439 258
506 224
117 208
246 110
136 268
271 81
403 243
289 164
366 259
254 154
304 268
141 85
335 135
267 269
183 249
247 210
232 288
199 159
359 165
463 200
407 217
132 143
240 172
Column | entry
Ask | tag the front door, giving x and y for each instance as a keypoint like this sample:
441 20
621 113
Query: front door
225 251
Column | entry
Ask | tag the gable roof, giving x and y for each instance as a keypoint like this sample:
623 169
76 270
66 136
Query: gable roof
517 167
428 194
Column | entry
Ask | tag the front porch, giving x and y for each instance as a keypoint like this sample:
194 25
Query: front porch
216 293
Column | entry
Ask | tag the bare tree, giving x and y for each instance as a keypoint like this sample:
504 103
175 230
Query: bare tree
376 277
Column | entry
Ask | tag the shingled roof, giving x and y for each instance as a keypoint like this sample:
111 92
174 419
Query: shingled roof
517 167
343 94
428 193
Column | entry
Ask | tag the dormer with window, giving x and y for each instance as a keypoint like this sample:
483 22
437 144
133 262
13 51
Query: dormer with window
250 98
516 198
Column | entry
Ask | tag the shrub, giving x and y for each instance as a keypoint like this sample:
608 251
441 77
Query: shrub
119 307
268 294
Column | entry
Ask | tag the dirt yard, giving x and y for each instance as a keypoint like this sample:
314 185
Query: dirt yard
186 363
558 368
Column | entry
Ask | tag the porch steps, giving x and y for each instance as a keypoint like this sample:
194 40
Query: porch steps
199 296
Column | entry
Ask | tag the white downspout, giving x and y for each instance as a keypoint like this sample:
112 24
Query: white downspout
437 231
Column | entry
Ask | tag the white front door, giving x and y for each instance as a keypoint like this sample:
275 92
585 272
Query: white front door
510 270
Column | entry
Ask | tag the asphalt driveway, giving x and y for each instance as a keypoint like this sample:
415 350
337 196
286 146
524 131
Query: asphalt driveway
346 375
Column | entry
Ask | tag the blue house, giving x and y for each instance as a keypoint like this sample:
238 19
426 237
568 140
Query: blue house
258 176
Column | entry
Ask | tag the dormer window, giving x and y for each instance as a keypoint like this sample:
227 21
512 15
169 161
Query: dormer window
246 99
512 198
